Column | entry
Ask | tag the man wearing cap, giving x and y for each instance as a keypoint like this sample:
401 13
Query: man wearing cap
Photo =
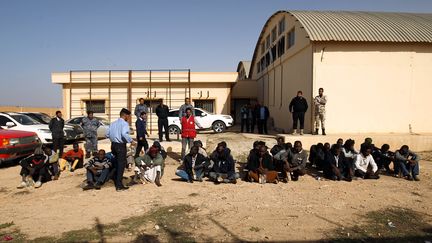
90 126
118 133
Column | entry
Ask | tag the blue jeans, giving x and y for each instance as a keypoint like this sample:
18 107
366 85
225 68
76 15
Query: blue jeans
182 174
98 178
408 169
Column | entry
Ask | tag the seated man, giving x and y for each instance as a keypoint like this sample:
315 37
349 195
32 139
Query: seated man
73 158
52 163
383 157
201 150
261 168
161 149
148 168
193 166
317 155
34 168
224 165
408 163
98 169
336 166
365 166
296 161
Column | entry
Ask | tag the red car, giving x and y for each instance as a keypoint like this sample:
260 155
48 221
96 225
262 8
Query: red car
16 144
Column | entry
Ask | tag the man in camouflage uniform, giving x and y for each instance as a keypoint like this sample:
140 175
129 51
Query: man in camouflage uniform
320 102
90 126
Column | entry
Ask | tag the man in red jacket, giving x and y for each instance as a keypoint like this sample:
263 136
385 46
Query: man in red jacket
188 131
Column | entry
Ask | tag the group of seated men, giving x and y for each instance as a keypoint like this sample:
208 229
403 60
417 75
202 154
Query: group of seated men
342 162
219 167
45 165
284 161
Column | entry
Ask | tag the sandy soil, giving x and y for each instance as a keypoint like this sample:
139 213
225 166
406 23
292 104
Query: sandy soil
303 210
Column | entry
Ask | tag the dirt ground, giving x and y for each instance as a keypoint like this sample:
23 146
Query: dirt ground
307 210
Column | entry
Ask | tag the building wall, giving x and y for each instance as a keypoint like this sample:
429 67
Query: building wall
374 87
279 82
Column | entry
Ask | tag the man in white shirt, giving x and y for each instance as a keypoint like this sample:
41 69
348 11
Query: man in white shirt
365 166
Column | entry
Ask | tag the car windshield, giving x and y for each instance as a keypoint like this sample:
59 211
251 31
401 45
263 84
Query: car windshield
43 118
103 120
206 111
24 120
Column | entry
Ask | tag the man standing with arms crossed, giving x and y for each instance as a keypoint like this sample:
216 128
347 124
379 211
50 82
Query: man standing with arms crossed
56 126
320 102
90 126
162 112
118 134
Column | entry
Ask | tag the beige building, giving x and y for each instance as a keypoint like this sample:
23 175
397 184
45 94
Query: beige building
107 92
375 69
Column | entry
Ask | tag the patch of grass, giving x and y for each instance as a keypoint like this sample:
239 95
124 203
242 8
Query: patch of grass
254 229
409 226
10 230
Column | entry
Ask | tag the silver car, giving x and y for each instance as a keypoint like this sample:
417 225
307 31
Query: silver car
101 130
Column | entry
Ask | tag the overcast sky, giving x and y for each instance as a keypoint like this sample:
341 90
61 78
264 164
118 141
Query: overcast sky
44 36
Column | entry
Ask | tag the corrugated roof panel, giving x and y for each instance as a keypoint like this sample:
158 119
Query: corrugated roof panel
366 26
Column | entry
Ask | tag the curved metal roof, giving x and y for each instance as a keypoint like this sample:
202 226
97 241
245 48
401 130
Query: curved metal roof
246 65
359 26
366 26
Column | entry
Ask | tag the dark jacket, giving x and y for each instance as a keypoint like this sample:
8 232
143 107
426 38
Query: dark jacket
254 162
162 111
258 112
141 128
330 162
199 163
56 126
223 162
298 104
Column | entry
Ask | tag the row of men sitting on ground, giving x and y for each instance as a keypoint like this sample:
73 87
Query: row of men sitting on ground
338 162
45 165
341 160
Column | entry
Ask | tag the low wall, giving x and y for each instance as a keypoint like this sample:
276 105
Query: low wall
416 142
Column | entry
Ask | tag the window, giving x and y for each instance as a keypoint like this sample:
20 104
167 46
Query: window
273 53
267 43
4 120
207 105
291 38
262 48
76 121
97 106
273 35
173 113
152 104
267 59
24 120
281 26
281 46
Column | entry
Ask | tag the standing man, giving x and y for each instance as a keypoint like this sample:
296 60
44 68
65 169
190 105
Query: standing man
182 110
263 115
56 126
162 112
244 114
188 131
141 130
140 108
320 103
118 134
298 108
90 126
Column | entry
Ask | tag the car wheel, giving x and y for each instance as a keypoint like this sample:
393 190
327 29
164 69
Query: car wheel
219 126
173 130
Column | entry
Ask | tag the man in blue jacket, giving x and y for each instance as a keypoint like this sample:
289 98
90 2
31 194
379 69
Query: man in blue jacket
141 129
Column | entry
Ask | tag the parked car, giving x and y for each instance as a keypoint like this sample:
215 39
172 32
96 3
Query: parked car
72 132
21 122
16 144
208 121
101 130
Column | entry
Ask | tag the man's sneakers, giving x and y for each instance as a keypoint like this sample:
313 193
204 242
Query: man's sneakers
38 184
416 178
89 186
97 186
122 188
22 185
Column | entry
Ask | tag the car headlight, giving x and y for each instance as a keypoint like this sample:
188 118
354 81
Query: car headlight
13 141
44 130
227 117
